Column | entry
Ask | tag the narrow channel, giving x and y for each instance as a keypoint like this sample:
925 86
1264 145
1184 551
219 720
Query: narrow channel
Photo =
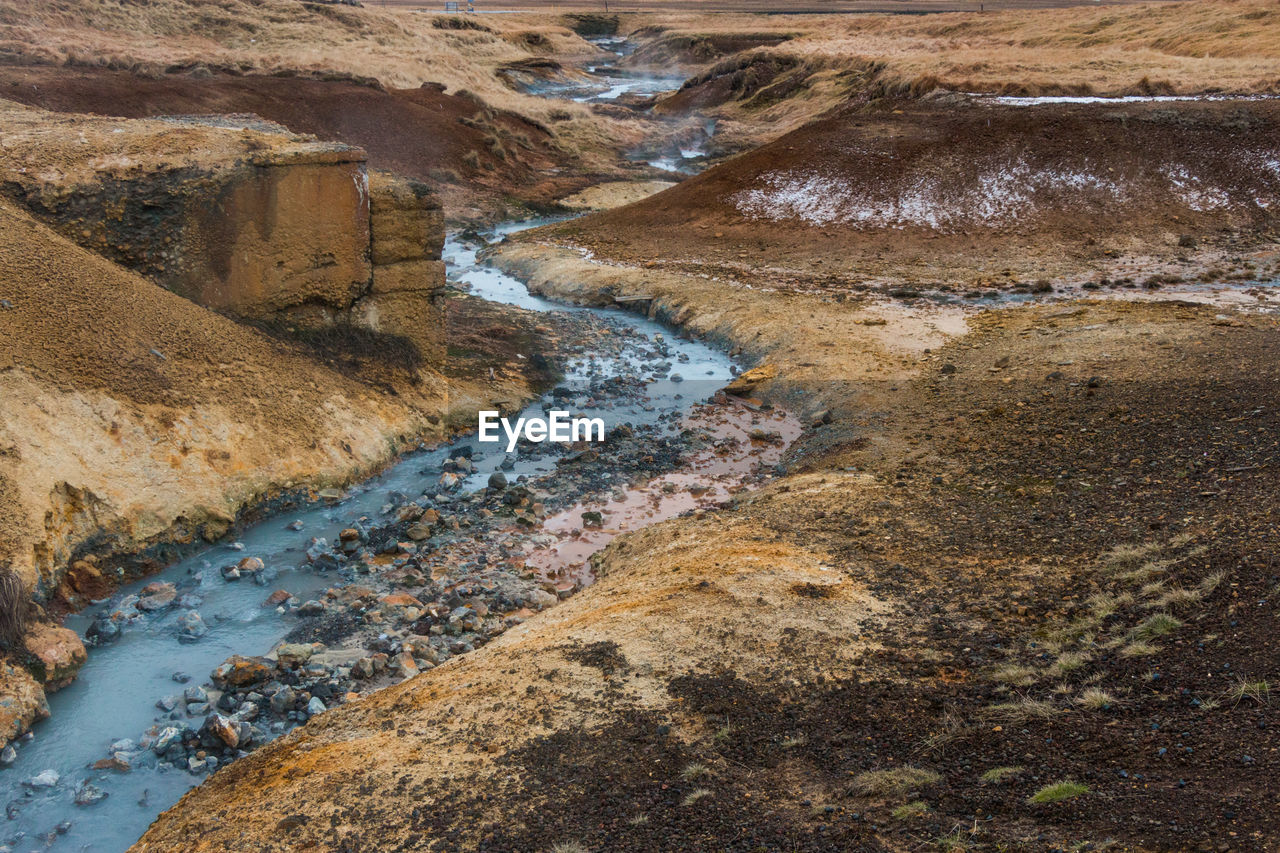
137 682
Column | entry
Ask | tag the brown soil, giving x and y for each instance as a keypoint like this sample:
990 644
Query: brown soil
477 158
928 589
958 195
825 7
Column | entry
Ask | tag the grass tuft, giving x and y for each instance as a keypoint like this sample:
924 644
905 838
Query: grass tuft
887 783
1095 699
1258 691
1139 648
1014 674
693 770
1156 625
695 795
919 808
1023 709
996 775
1057 792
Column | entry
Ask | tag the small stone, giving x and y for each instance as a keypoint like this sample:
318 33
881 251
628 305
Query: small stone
230 573
249 565
44 779
166 703
195 694
223 729
497 481
310 608
948 369
88 793
240 671
293 655
191 627
294 525
157 596
8 755
418 532
315 706
283 700
277 598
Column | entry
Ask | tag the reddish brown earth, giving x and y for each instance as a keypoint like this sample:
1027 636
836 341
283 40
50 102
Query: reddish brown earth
475 156
937 585
958 194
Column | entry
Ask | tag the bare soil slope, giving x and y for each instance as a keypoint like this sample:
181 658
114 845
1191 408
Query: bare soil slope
956 194
900 645
477 157
134 417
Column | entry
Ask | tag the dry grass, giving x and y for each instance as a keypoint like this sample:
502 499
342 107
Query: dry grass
1155 625
1021 710
996 775
1176 47
1214 45
888 783
919 808
398 48
694 795
1057 792
1138 648
1258 691
1015 675
1095 699
694 770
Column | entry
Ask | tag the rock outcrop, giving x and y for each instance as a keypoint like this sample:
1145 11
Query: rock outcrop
240 216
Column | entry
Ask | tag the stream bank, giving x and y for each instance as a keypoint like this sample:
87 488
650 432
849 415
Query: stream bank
444 551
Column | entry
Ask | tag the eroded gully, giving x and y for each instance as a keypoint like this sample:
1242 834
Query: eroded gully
402 573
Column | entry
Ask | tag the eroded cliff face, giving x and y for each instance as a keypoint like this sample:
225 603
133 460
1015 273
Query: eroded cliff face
405 296
240 216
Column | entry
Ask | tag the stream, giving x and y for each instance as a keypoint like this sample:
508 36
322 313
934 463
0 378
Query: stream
130 687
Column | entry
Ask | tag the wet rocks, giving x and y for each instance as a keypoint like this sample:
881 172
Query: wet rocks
22 701
157 596
251 567
88 793
43 779
191 627
218 729
240 671
497 481
293 655
58 650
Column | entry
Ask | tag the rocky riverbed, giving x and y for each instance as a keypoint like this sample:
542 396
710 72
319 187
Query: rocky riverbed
321 606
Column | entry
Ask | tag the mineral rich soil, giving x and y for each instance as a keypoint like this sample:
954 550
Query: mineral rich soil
1014 586
957 195
476 156
1041 558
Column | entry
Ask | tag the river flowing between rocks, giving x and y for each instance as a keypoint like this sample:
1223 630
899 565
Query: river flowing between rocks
403 572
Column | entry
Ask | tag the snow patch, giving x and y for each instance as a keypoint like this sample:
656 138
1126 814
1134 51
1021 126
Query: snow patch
999 193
